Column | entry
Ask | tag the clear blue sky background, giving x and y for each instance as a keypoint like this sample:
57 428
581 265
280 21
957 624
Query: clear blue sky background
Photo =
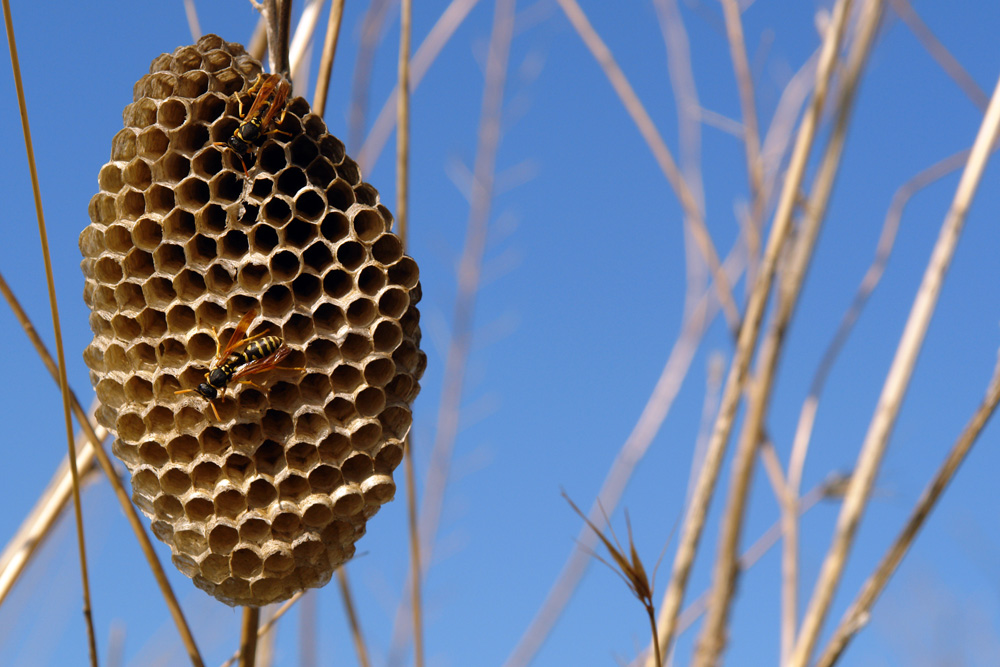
583 295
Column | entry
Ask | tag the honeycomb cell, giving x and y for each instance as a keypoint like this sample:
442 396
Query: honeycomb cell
267 495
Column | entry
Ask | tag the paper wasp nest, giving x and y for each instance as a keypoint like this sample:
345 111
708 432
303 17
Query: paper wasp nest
272 498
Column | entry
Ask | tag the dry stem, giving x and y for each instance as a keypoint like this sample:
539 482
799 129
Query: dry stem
326 59
352 618
248 636
895 386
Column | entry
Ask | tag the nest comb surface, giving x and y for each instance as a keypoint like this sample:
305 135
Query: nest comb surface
271 499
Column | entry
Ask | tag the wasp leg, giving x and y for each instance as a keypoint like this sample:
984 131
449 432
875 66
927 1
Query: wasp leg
217 417
252 91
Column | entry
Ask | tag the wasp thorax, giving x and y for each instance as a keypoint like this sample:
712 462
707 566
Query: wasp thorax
271 496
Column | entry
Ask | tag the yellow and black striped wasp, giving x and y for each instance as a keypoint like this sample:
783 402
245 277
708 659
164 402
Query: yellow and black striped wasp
260 353
271 94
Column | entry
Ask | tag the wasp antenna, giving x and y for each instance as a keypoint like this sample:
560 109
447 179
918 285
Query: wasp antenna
217 417
184 391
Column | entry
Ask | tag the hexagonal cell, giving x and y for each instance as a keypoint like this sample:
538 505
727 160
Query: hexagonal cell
335 227
388 249
278 563
284 266
293 488
283 396
254 529
102 208
299 233
137 174
237 468
191 137
371 280
168 507
129 297
222 537
276 425
285 525
230 503
355 347
225 186
379 371
349 171
303 456
192 193
277 301
368 225
189 285
208 107
387 336
200 250
210 314
337 283
309 205
314 387
141 357
303 150
404 273
125 327
171 167
110 392
340 410
199 508
307 288
172 113
271 157
138 390
261 493
347 500
110 178
178 225
233 245
325 478
107 270
205 474
253 277
219 280
361 312
345 378
290 181
339 195
211 220
378 489
152 143
317 512
388 456
365 435
169 258
263 238
180 319
370 401
366 194
351 255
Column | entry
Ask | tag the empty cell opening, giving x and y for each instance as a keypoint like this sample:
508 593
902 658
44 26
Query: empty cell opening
129 296
207 163
125 327
219 280
387 250
314 387
177 226
368 224
261 494
277 425
199 509
318 257
404 273
191 138
347 501
180 318
379 489
159 199
192 193
152 454
396 421
340 410
168 507
320 172
169 258
388 457
317 514
366 194
160 85
222 538
107 270
345 378
298 329
339 195
337 283
210 314
201 346
351 255
172 167
253 277
307 288
272 158
226 187
329 317
277 563
269 458
393 303
325 478
110 392
123 144
213 440
174 481
309 205
194 82
333 447
365 437
217 60
100 326
406 355
189 285
293 488
172 113
205 475
138 390
348 170
285 525
244 436
378 372
290 181
110 178
264 238
361 312
284 265
104 298
335 226
357 467
332 148
234 245
152 143
370 401
160 418
283 396
145 483
322 353
183 449
277 211
371 280
302 456
102 208
262 187
277 301
254 529
141 356
387 336
230 503
171 353
299 233
355 347
189 419
146 234
209 107
211 220
303 151
215 568
116 238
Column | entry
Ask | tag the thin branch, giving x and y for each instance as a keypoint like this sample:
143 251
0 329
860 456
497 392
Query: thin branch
191 12
895 386
301 43
57 329
266 627
712 640
119 488
326 59
426 54
858 613
352 618
661 153
249 636
694 522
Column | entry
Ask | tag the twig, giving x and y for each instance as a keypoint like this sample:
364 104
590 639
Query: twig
426 54
660 151
57 329
191 12
301 42
249 636
694 522
857 615
266 627
712 640
277 18
326 59
895 386
352 618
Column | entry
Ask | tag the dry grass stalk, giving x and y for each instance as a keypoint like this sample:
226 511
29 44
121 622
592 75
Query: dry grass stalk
857 615
895 386
371 32
712 640
352 618
267 625
446 25
248 636
57 328
116 484
191 13
326 59
698 510
301 46
629 567
661 153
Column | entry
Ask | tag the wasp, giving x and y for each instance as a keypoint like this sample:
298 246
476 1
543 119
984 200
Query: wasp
242 356
271 93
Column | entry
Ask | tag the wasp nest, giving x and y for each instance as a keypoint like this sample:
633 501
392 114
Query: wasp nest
269 499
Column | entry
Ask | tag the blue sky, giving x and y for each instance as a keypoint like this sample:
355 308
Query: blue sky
583 293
